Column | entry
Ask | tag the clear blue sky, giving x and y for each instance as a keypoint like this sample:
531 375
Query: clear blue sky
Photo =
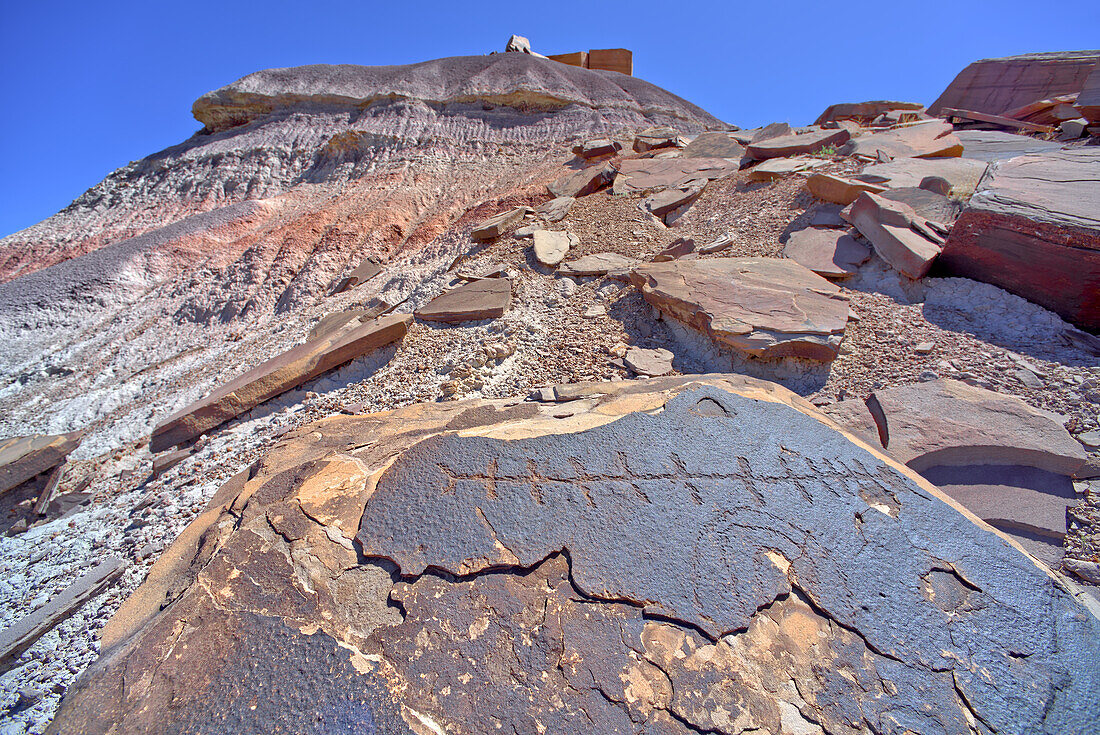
89 86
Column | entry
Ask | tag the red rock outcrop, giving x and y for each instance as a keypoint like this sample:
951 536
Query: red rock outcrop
996 85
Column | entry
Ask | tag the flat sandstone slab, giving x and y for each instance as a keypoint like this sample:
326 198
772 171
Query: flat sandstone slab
278 375
488 298
24 457
827 252
652 562
764 307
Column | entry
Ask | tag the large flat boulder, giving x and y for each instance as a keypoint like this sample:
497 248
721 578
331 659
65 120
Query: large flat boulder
487 298
785 146
963 174
932 139
498 224
551 247
657 561
838 189
777 168
583 182
598 264
648 174
863 112
276 376
899 235
25 457
764 307
827 252
995 86
713 145
995 145
1033 228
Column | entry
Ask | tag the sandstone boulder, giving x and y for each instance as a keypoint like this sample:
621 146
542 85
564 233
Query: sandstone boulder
677 249
670 200
777 168
653 562
785 146
654 138
901 237
487 298
998 85
367 269
497 225
862 112
597 264
839 190
597 148
928 204
25 457
713 145
764 307
556 209
648 174
648 362
932 139
551 247
1033 228
963 174
583 182
827 252
519 44
278 375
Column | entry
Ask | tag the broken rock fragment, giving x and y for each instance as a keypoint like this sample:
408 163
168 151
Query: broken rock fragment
901 237
763 307
963 174
713 145
827 252
934 138
863 112
649 362
597 148
647 174
839 190
552 247
556 209
276 376
496 226
25 457
583 182
598 264
487 298
777 168
654 138
794 145
367 269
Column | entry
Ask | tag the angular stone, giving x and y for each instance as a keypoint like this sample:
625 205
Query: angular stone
496 226
962 173
769 131
22 634
670 200
999 85
367 269
654 138
647 362
794 145
583 182
619 60
647 174
932 139
777 168
518 44
829 253
839 190
713 145
552 247
25 457
488 298
994 145
863 112
899 235
677 249
652 562
964 117
597 264
1033 228
927 204
339 321
167 460
556 209
597 148
764 307
278 375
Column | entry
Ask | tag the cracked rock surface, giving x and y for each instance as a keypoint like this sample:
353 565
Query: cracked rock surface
674 555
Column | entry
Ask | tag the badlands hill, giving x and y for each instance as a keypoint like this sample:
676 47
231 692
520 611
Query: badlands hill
495 394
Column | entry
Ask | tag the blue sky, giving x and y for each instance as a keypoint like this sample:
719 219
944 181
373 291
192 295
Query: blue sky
90 86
